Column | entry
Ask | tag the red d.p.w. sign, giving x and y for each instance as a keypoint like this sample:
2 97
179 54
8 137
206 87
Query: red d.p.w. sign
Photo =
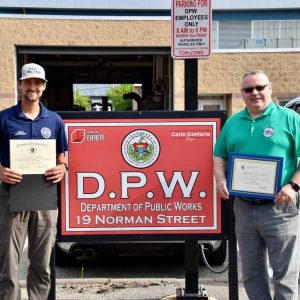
140 176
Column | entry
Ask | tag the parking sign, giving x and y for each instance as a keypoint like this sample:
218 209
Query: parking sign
191 27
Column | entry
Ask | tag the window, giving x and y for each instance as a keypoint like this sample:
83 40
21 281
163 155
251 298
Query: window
254 34
265 30
278 34
215 34
211 103
232 34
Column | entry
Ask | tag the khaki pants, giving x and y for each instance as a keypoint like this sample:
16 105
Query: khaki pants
40 227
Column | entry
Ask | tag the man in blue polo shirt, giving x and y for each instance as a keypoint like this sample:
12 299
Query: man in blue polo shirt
29 119
263 227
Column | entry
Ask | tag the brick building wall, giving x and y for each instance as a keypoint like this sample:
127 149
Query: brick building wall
219 75
47 32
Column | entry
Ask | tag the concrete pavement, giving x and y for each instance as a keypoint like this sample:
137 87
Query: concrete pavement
131 289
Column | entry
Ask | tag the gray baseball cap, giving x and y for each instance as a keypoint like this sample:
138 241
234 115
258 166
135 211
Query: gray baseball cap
33 71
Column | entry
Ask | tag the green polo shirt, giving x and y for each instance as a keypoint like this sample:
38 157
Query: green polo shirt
276 132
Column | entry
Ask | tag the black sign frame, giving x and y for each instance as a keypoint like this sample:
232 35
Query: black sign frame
221 115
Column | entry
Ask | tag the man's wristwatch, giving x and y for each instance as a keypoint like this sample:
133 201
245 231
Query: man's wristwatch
294 186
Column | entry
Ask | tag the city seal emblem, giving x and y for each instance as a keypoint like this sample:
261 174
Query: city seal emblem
140 149
268 132
46 132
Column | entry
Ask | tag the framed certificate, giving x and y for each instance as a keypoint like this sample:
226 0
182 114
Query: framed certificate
254 176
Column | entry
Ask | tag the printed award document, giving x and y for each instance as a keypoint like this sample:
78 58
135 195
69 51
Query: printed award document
32 156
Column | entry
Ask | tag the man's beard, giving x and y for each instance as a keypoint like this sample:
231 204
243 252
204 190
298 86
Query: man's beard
31 98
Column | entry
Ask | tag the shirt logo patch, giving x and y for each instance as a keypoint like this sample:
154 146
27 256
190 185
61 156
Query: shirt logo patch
20 132
46 132
268 132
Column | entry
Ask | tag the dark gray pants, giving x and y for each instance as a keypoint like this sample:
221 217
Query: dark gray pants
271 230
40 227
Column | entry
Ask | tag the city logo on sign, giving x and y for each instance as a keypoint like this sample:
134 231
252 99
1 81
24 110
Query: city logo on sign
78 136
140 148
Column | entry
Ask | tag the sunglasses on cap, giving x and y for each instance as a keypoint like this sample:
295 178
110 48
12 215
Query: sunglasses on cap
258 88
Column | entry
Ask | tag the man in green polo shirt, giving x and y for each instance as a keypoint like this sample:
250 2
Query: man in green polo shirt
264 227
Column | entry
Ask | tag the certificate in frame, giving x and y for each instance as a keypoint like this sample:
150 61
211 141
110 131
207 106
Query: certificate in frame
254 176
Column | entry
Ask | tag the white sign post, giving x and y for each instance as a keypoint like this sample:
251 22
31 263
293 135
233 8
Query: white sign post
191 27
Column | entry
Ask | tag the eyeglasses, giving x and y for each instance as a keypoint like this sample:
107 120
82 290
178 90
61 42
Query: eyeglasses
250 89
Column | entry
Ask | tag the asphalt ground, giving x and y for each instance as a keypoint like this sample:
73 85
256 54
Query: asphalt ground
133 289
90 285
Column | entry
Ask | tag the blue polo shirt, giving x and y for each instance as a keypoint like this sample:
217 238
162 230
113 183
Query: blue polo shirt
15 125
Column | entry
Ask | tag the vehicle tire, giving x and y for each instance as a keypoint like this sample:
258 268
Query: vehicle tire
217 257
62 259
